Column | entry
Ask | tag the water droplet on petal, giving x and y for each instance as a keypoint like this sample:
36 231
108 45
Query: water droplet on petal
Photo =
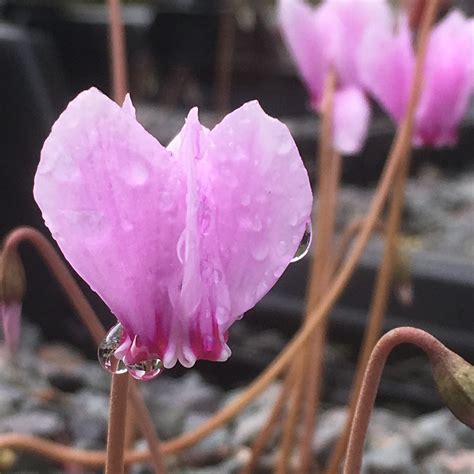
107 348
136 173
181 247
145 369
285 147
245 199
217 275
205 220
260 251
304 245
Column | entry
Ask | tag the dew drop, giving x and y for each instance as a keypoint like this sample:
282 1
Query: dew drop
303 247
166 201
136 173
107 348
217 274
205 220
181 247
145 369
260 252
285 147
245 199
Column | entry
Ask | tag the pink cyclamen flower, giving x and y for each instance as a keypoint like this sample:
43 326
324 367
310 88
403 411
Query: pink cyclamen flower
387 61
178 241
328 36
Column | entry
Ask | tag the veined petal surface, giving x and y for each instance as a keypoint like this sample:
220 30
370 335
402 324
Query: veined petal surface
306 37
114 200
351 120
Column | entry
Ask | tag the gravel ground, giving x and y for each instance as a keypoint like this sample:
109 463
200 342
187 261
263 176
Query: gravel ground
50 390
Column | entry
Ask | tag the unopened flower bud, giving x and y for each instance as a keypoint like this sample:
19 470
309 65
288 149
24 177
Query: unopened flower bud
12 278
455 381
12 289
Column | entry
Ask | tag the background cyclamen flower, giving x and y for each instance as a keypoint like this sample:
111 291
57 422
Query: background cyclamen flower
328 36
387 66
178 241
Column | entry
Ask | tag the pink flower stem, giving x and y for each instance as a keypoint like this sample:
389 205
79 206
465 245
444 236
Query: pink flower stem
89 319
405 335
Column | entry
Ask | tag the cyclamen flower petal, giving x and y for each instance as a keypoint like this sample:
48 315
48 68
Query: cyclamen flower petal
346 22
307 38
327 36
10 316
388 69
448 81
351 120
178 241
386 64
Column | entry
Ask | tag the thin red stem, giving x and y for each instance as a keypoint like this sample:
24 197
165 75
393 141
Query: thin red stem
431 346
114 463
118 57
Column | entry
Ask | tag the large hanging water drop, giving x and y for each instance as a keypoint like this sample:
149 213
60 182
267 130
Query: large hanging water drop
107 348
305 244
145 369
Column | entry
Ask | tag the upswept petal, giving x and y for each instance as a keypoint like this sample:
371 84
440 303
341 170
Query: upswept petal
346 22
306 37
448 81
351 120
114 200
260 191
386 61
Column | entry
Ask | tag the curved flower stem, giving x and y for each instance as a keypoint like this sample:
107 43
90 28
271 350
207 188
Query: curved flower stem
60 272
88 318
117 423
384 277
430 345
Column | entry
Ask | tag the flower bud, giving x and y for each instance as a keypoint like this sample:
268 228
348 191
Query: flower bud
12 278
12 289
455 381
